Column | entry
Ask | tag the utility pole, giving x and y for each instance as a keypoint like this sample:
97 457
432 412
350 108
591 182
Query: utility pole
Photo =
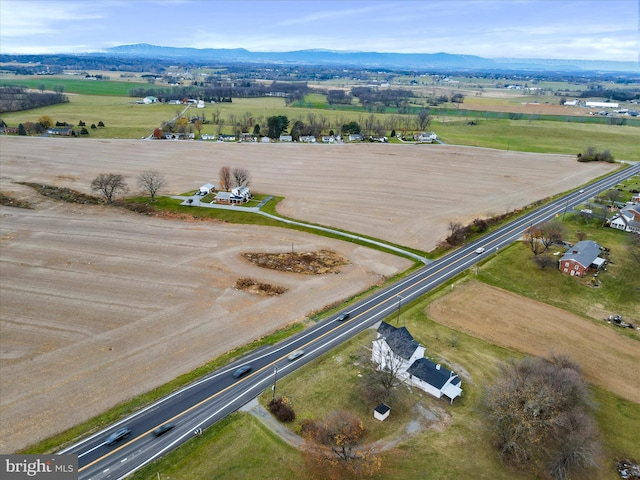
399 301
275 379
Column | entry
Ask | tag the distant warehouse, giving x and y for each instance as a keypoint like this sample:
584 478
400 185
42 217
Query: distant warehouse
602 105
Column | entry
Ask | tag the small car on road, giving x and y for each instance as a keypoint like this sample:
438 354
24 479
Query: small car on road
243 370
343 317
118 435
162 429
295 355
480 250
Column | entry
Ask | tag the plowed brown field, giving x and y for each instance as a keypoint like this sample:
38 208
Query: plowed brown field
99 305
608 358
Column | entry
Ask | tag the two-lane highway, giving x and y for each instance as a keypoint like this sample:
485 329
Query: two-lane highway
210 399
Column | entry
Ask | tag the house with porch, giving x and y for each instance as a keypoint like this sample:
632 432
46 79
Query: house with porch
395 349
581 258
628 219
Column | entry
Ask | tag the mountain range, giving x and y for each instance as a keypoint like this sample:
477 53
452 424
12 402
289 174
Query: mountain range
414 61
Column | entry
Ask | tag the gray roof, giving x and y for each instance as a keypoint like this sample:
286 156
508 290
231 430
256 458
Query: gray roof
399 340
426 370
584 253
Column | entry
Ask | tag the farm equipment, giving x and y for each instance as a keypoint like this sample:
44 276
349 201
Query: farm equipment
617 320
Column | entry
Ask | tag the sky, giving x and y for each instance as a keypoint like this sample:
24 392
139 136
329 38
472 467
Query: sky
557 29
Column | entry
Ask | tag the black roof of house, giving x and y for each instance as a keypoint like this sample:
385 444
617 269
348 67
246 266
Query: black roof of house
398 339
382 408
426 371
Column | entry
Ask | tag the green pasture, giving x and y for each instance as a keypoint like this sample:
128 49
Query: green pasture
542 136
123 118
75 85
515 271
126 119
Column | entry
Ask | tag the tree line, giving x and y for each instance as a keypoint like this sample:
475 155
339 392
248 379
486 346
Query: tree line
16 99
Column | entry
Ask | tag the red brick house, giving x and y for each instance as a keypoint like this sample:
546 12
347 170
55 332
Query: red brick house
580 258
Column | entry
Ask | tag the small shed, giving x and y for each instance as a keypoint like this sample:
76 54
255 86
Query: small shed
381 412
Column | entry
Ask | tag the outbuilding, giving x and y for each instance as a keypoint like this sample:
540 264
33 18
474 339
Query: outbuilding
206 189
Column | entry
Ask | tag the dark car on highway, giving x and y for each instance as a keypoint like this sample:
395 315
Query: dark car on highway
118 435
162 429
342 317
242 371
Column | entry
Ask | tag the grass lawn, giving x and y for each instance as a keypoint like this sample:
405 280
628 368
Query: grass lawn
514 270
542 136
238 447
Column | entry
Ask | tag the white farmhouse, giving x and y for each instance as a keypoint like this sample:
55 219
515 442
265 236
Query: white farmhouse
395 349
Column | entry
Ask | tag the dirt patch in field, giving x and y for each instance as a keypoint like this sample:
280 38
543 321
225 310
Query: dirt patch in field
307 263
608 359
100 304
405 194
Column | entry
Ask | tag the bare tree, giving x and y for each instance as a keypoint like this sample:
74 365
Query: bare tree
532 238
331 444
613 196
151 182
241 176
225 178
456 234
109 185
424 119
382 379
551 232
537 413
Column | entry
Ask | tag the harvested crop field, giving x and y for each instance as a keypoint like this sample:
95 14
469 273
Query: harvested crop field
100 304
607 357
405 194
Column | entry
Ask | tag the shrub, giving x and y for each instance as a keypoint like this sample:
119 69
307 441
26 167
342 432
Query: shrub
281 409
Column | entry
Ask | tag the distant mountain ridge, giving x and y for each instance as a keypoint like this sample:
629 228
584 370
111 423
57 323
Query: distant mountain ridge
367 59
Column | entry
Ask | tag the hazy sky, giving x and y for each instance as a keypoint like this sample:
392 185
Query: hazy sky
570 29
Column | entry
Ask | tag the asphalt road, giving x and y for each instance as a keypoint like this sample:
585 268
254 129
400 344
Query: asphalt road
211 398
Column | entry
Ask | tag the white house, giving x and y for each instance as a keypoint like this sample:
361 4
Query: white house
241 192
395 349
434 379
628 219
286 138
307 138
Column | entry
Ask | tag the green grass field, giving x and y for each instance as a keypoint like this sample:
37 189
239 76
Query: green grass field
75 85
619 284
